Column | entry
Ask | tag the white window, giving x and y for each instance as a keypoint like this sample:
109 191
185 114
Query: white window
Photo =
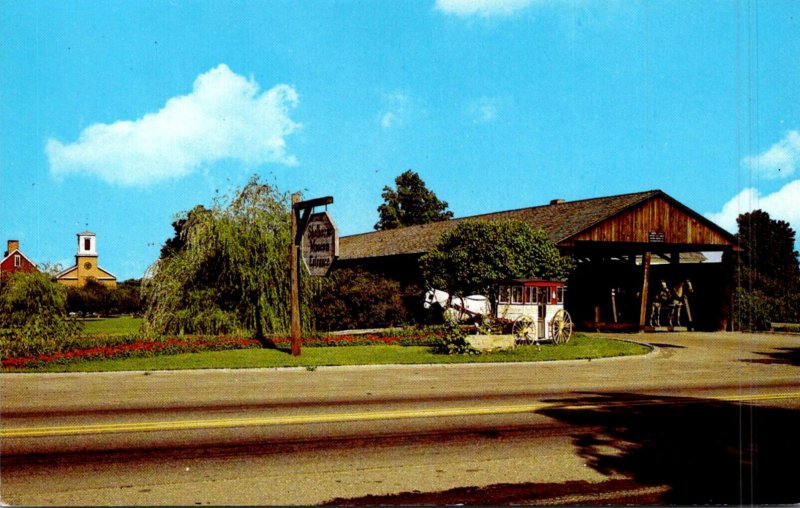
543 295
17 261
503 297
516 294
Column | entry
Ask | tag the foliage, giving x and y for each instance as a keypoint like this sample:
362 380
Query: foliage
768 247
411 203
475 255
454 341
95 298
33 316
761 301
132 349
181 226
769 274
356 298
580 347
229 272
112 345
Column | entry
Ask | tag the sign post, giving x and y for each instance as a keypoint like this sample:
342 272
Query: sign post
301 218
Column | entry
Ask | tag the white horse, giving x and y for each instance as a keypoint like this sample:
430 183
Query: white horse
458 308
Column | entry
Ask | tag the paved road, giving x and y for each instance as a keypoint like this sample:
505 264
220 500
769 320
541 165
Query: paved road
705 418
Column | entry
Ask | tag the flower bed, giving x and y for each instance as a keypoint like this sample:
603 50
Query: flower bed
127 347
167 346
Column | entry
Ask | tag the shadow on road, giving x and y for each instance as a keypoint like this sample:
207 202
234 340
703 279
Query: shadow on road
783 355
707 452
674 451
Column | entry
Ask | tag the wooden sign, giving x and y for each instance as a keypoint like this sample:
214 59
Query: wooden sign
656 237
320 245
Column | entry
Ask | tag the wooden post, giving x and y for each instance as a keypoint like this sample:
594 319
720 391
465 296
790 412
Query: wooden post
614 303
294 261
645 287
299 225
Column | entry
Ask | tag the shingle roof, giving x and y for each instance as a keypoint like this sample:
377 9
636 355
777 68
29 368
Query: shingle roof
560 221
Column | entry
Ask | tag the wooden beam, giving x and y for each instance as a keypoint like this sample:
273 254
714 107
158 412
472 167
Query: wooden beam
645 287
311 203
294 261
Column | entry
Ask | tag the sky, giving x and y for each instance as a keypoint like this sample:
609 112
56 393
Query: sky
117 116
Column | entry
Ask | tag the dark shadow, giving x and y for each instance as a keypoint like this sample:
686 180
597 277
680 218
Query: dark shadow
668 450
670 346
706 452
784 355
270 344
504 494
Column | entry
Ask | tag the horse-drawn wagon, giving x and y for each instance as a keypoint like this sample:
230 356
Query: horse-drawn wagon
536 309
531 309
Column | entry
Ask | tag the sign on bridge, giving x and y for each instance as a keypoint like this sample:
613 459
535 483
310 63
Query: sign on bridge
320 245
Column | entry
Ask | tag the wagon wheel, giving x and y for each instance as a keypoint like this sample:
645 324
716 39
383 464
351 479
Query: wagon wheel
523 330
561 327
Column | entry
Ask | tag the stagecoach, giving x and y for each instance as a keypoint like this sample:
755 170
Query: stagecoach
535 309
531 309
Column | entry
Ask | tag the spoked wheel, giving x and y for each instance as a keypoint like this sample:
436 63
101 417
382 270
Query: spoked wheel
523 330
561 327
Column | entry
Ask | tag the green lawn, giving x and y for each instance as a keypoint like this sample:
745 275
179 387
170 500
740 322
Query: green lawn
111 326
580 347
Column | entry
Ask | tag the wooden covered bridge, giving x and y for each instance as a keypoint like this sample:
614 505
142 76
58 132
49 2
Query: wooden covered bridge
627 247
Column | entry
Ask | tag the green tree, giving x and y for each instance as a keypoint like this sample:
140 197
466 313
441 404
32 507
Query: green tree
410 203
476 255
231 273
181 226
97 298
33 317
768 247
769 273
128 297
93 298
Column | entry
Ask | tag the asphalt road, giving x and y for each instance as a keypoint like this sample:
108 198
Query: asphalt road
705 418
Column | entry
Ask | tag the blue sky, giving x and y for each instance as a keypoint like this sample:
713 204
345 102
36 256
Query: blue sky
116 116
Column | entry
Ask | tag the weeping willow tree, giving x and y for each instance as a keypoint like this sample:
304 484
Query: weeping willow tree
227 270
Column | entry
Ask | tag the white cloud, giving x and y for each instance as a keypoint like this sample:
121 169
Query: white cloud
397 111
484 8
780 160
484 110
389 120
780 205
224 117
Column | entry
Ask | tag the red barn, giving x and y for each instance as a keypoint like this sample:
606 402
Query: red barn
16 261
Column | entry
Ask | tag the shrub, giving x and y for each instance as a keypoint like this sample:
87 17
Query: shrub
472 257
454 341
355 298
33 318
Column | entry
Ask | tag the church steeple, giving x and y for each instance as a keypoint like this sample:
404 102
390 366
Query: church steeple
86 267
87 244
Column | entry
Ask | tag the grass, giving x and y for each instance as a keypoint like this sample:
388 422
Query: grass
785 327
580 347
111 326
